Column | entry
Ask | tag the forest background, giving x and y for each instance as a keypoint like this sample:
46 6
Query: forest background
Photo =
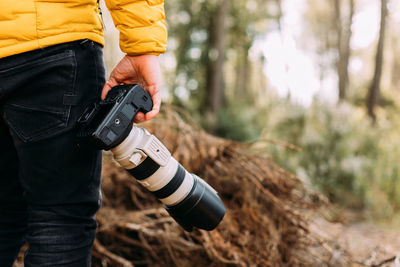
312 84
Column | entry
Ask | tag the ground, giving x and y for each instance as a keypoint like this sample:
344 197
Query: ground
369 244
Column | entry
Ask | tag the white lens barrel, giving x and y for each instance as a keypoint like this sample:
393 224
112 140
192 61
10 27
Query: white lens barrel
124 151
147 159
161 177
180 194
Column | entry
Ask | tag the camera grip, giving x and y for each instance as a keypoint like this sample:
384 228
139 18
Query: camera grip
135 95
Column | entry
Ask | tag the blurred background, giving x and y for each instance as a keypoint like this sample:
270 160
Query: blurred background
312 84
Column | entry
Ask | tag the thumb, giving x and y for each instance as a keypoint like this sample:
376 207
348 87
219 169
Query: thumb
107 86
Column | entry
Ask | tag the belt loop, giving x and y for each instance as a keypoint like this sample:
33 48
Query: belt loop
86 43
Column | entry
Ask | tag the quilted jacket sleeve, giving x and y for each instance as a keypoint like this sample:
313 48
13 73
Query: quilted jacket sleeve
141 24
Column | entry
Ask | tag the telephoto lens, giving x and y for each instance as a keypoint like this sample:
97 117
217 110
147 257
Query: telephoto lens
108 125
187 198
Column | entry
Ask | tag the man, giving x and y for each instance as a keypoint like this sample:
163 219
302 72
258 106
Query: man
51 68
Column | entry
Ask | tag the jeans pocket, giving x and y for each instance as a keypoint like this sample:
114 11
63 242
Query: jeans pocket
32 124
38 109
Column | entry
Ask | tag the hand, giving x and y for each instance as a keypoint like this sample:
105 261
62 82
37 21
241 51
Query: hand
143 70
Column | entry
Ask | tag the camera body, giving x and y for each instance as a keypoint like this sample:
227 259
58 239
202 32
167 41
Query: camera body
108 125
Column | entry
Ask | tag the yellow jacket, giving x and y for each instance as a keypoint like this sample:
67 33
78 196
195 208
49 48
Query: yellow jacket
32 24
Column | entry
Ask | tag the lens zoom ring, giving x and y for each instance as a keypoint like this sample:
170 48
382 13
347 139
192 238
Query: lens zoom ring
146 169
173 185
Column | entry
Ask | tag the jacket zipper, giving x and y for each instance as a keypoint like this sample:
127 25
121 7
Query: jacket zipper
101 15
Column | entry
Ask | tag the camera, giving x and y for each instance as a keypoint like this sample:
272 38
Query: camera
108 125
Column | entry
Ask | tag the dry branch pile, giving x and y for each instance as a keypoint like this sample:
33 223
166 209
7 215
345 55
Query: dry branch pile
264 225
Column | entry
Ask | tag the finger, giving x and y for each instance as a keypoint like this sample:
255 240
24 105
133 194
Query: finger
156 108
139 117
156 97
107 87
150 115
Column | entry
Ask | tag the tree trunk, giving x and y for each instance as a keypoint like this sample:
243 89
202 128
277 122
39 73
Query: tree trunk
343 28
374 89
395 68
217 53
243 74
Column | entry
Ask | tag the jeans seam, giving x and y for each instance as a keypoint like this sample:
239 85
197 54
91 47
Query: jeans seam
17 106
34 64
74 80
96 65
93 168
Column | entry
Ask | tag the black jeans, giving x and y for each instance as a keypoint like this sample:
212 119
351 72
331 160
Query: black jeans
49 187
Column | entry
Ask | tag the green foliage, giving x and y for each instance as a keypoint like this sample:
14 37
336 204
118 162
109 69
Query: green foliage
239 124
190 26
352 161
348 159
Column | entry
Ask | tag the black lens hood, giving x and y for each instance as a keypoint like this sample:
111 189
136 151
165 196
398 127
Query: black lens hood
202 208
